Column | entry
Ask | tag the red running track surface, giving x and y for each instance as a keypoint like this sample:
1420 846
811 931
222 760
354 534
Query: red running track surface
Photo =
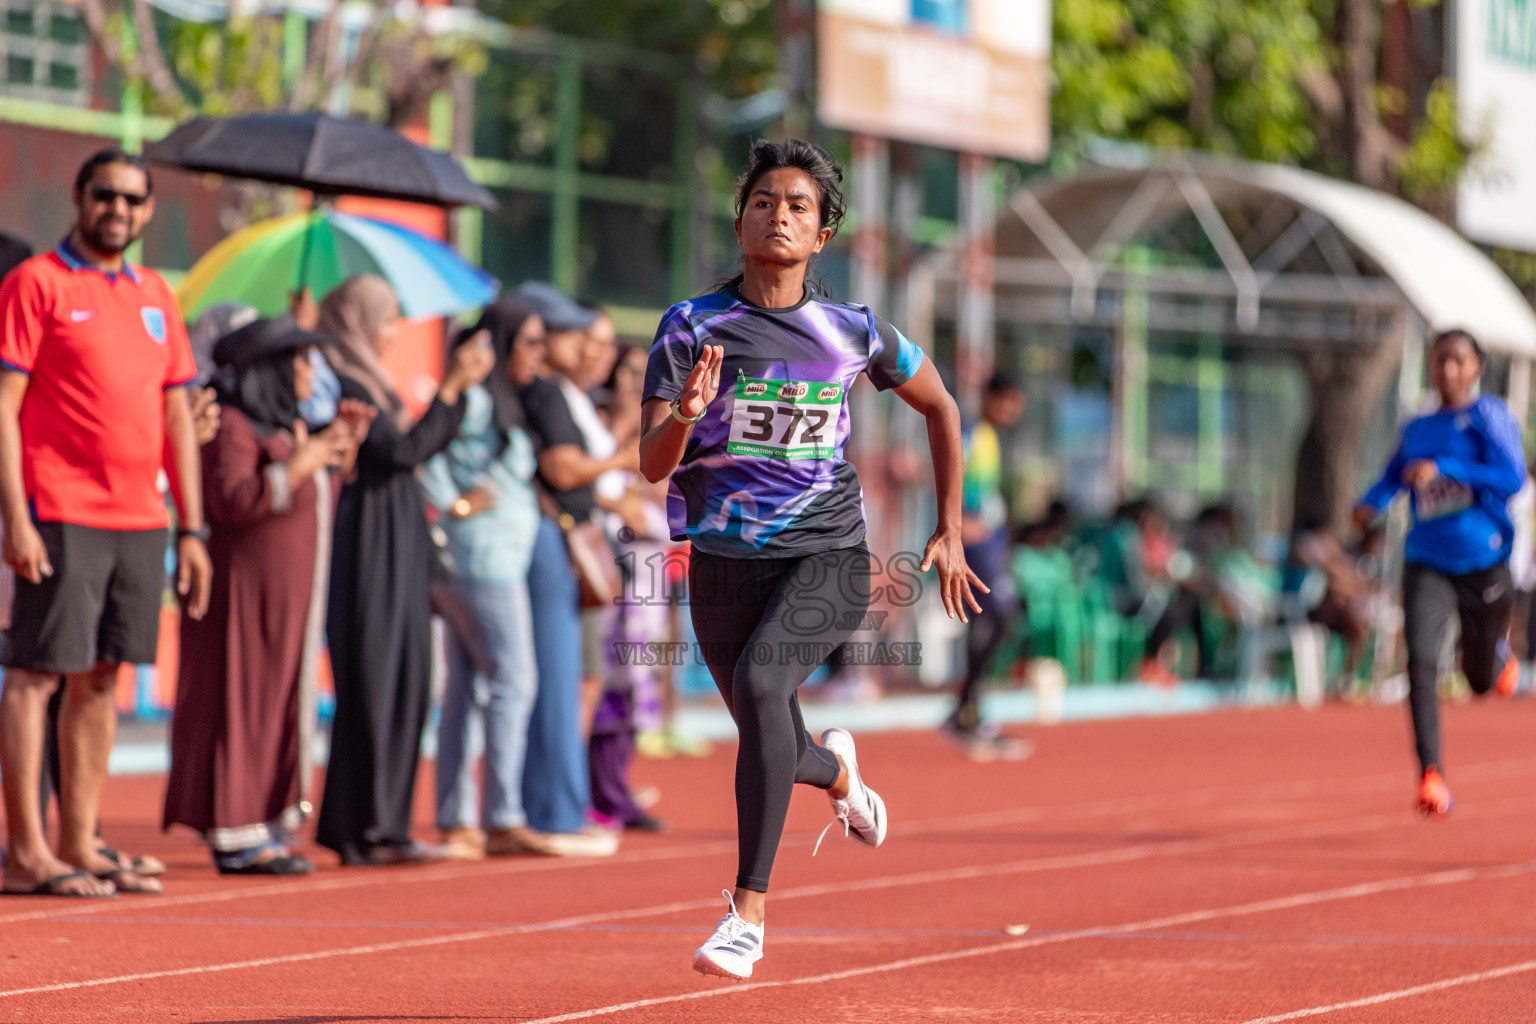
1234 867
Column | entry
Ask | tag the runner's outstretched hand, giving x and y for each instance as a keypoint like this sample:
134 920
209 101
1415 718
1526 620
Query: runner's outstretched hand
703 382
956 579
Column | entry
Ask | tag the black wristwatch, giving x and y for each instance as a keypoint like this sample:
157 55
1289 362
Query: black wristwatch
202 533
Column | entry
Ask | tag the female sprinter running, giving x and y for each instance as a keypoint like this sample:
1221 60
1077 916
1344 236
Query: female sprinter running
779 573
1460 464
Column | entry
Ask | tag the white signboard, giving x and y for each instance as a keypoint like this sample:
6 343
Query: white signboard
1496 99
972 75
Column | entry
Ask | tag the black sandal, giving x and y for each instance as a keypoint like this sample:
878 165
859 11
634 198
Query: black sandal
285 865
117 875
51 887
144 867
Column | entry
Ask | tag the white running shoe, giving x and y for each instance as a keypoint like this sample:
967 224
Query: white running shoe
734 947
862 812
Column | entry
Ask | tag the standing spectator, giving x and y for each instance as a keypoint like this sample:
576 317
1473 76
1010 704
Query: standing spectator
245 698
639 530
380 619
482 488
984 529
93 359
556 789
598 353
205 413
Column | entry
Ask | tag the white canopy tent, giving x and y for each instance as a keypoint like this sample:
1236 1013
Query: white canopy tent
1303 261
1442 275
1258 258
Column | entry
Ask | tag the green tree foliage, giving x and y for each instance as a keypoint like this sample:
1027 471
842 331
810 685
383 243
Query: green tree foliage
227 67
1267 80
731 43
244 62
1221 75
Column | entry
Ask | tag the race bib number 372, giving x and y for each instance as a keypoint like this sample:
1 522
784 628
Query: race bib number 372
784 419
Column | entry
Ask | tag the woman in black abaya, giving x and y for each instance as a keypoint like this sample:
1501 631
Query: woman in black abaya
380 620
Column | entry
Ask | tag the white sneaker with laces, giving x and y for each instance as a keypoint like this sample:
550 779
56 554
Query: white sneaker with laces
734 947
862 812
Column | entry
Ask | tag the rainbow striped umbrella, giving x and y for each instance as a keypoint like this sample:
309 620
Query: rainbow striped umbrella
266 262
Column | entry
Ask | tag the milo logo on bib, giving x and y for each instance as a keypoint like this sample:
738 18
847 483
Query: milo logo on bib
784 419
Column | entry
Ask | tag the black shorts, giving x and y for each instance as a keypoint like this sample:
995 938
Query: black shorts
100 606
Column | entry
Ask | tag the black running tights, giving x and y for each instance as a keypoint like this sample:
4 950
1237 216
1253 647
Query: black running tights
763 625
1481 601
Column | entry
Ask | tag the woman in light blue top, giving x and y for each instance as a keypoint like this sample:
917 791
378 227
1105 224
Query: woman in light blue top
482 488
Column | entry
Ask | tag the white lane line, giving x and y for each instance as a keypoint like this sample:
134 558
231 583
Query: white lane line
370 877
1402 993
1490 770
1062 862
1264 835
1262 906
957 823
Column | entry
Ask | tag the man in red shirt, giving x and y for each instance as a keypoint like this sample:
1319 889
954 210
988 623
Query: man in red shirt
93 356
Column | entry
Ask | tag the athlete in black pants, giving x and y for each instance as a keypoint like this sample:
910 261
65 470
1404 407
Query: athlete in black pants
779 573
756 614
1460 464
984 527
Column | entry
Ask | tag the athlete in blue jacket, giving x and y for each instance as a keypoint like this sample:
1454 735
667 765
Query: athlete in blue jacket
1460 465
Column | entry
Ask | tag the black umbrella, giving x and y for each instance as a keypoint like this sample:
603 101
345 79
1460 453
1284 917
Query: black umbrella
327 155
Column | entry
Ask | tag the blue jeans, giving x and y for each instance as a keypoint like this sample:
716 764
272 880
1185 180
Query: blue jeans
556 790
491 672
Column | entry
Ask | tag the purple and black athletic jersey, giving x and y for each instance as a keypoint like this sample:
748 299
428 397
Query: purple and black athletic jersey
763 475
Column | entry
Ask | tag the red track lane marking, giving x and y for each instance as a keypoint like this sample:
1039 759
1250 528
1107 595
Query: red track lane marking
1402 993
1317 828
1262 906
1485 771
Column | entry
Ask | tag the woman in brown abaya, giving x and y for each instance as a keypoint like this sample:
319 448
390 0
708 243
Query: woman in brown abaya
240 740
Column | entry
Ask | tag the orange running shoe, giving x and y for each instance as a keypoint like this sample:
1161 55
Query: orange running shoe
1509 679
1435 800
1155 672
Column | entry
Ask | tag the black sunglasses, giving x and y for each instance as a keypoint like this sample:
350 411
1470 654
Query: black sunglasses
108 196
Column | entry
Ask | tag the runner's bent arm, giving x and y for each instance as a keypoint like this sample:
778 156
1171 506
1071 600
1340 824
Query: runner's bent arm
662 441
926 393
664 437
1501 471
